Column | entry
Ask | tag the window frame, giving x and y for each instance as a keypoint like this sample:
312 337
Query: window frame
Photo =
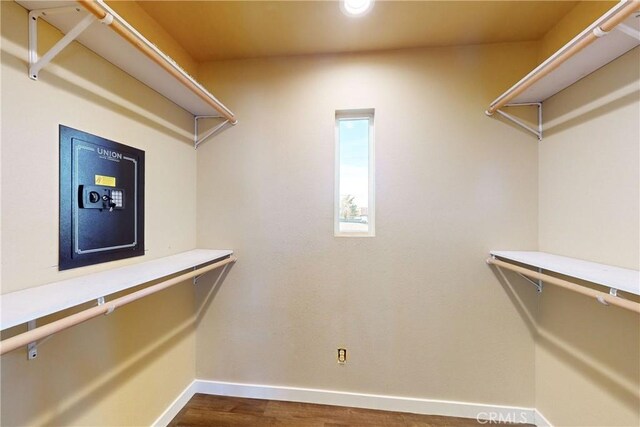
359 114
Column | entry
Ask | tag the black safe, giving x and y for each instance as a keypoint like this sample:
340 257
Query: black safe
101 200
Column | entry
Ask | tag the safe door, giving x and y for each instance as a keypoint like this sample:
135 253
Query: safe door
101 200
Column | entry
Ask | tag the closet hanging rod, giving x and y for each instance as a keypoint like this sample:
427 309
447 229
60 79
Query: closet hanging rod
44 331
602 297
615 16
99 9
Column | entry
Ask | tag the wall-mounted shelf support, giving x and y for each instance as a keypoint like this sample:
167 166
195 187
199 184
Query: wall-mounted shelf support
24 307
198 268
32 347
195 278
216 130
122 45
36 63
101 301
612 291
540 281
537 284
593 48
536 132
613 278
31 337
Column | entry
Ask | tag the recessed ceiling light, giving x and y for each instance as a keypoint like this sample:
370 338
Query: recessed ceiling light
356 7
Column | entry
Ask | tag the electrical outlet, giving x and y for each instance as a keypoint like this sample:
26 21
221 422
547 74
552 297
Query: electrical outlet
342 356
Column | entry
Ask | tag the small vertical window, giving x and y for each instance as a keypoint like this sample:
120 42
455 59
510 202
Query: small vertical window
354 193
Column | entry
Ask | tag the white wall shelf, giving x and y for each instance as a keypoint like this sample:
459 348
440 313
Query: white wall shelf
587 52
622 279
112 38
26 305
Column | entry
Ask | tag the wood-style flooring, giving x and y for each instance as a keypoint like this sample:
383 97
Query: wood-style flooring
207 410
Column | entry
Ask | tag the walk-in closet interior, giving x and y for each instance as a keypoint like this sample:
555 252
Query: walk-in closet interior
320 213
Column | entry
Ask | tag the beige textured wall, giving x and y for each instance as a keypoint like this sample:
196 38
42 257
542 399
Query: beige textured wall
126 368
587 370
589 201
417 308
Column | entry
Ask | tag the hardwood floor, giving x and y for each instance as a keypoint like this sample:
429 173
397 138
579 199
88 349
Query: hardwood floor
207 410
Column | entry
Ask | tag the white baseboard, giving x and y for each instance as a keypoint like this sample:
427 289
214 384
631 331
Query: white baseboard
369 401
175 406
541 421
357 400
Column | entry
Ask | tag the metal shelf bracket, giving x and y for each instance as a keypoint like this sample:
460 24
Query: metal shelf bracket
195 278
32 347
38 63
537 284
216 130
536 132
612 291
